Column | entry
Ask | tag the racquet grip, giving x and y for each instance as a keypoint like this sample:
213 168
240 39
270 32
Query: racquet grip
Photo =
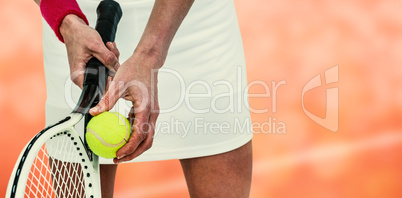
109 14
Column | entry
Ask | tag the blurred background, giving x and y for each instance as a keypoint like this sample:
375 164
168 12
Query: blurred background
285 41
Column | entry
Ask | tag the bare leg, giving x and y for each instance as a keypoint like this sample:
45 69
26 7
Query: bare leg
224 175
108 174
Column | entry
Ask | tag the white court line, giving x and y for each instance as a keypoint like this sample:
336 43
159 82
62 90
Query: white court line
265 166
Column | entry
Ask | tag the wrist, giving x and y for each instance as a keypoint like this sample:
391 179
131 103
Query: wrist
69 23
54 12
154 58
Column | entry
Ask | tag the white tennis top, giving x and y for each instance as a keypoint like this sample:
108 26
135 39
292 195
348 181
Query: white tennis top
202 86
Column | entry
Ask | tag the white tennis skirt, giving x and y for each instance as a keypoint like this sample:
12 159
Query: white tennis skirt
202 86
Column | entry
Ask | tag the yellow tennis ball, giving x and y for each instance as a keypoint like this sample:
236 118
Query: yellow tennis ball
107 133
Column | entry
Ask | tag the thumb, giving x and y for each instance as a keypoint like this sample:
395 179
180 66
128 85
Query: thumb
108 100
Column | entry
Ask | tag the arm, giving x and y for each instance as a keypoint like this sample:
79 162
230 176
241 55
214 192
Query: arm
163 24
136 79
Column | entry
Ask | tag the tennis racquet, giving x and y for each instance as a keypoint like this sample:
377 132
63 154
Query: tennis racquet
57 162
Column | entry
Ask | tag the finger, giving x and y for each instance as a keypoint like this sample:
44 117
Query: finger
142 147
109 99
140 131
152 120
145 144
104 55
77 76
147 128
108 81
116 52
131 116
113 47
127 96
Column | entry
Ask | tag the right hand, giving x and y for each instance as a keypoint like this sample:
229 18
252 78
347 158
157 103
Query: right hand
82 43
135 81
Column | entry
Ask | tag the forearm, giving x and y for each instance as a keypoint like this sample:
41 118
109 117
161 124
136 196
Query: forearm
163 23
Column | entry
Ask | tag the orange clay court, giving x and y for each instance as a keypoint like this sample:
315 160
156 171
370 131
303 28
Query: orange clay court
287 42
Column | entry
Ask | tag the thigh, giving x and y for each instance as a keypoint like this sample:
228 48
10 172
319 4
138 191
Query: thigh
223 175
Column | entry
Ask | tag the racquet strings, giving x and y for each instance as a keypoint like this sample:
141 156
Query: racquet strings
57 170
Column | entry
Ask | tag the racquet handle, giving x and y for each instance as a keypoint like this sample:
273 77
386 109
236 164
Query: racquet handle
109 14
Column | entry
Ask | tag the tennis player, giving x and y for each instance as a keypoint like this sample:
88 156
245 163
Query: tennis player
182 82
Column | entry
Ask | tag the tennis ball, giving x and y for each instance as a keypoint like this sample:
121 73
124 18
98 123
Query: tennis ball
107 133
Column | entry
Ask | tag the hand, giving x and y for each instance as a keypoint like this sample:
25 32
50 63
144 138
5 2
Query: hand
136 81
83 43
